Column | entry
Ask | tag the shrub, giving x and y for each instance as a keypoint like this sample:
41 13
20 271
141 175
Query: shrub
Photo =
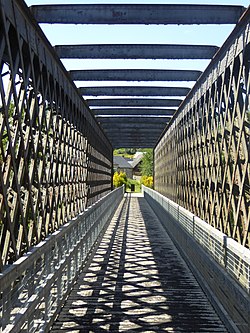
119 179
147 181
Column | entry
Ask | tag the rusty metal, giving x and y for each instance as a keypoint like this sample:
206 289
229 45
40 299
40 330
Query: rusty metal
202 159
55 159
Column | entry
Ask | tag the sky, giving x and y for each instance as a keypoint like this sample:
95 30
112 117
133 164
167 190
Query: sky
136 34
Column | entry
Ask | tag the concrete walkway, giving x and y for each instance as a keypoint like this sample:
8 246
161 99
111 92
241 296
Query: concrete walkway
137 282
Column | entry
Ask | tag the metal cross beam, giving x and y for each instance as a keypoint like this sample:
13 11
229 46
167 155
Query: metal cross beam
111 126
135 75
131 137
133 120
134 102
133 91
142 138
133 111
136 51
149 131
137 14
134 144
129 133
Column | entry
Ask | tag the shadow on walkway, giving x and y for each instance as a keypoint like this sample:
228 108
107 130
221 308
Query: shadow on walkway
137 282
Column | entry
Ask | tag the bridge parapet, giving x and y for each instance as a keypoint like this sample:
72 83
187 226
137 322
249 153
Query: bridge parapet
35 286
221 265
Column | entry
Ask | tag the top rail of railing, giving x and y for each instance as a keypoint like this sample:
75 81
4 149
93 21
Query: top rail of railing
231 255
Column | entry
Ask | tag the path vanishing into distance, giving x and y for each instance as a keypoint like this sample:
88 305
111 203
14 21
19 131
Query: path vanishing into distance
136 281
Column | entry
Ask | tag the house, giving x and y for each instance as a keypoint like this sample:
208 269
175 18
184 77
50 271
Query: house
122 165
135 163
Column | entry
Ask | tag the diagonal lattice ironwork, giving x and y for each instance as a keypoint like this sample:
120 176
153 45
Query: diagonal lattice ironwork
202 159
54 158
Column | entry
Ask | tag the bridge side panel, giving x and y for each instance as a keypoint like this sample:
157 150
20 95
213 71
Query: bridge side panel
54 158
202 159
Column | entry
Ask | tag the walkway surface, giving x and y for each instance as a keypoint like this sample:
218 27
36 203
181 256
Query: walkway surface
137 282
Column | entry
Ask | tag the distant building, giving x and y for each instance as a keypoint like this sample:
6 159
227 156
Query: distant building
122 165
135 163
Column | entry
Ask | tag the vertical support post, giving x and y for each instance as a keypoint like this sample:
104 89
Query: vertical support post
6 307
225 250
112 170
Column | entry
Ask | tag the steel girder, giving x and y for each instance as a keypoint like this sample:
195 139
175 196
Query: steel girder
127 121
133 111
134 91
136 51
137 14
134 102
134 75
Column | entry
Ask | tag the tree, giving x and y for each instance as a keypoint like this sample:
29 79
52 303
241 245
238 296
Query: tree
146 166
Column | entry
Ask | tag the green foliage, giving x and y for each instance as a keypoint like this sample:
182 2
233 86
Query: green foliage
146 167
135 183
125 152
147 181
119 179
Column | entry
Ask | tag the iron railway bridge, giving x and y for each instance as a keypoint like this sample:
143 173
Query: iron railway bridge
77 255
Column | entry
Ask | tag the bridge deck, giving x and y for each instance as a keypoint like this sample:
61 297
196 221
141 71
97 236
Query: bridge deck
137 282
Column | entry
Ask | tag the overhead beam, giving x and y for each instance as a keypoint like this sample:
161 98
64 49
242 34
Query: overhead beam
135 75
132 133
137 126
133 111
128 137
133 91
147 132
149 140
131 138
134 144
137 14
138 129
134 102
136 51
156 128
133 120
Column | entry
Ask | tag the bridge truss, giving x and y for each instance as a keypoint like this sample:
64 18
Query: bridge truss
202 161
56 148
55 159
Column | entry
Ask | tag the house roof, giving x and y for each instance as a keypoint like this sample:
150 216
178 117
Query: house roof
136 161
122 162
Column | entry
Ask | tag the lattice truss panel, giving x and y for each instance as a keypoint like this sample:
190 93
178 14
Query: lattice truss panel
202 161
54 158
